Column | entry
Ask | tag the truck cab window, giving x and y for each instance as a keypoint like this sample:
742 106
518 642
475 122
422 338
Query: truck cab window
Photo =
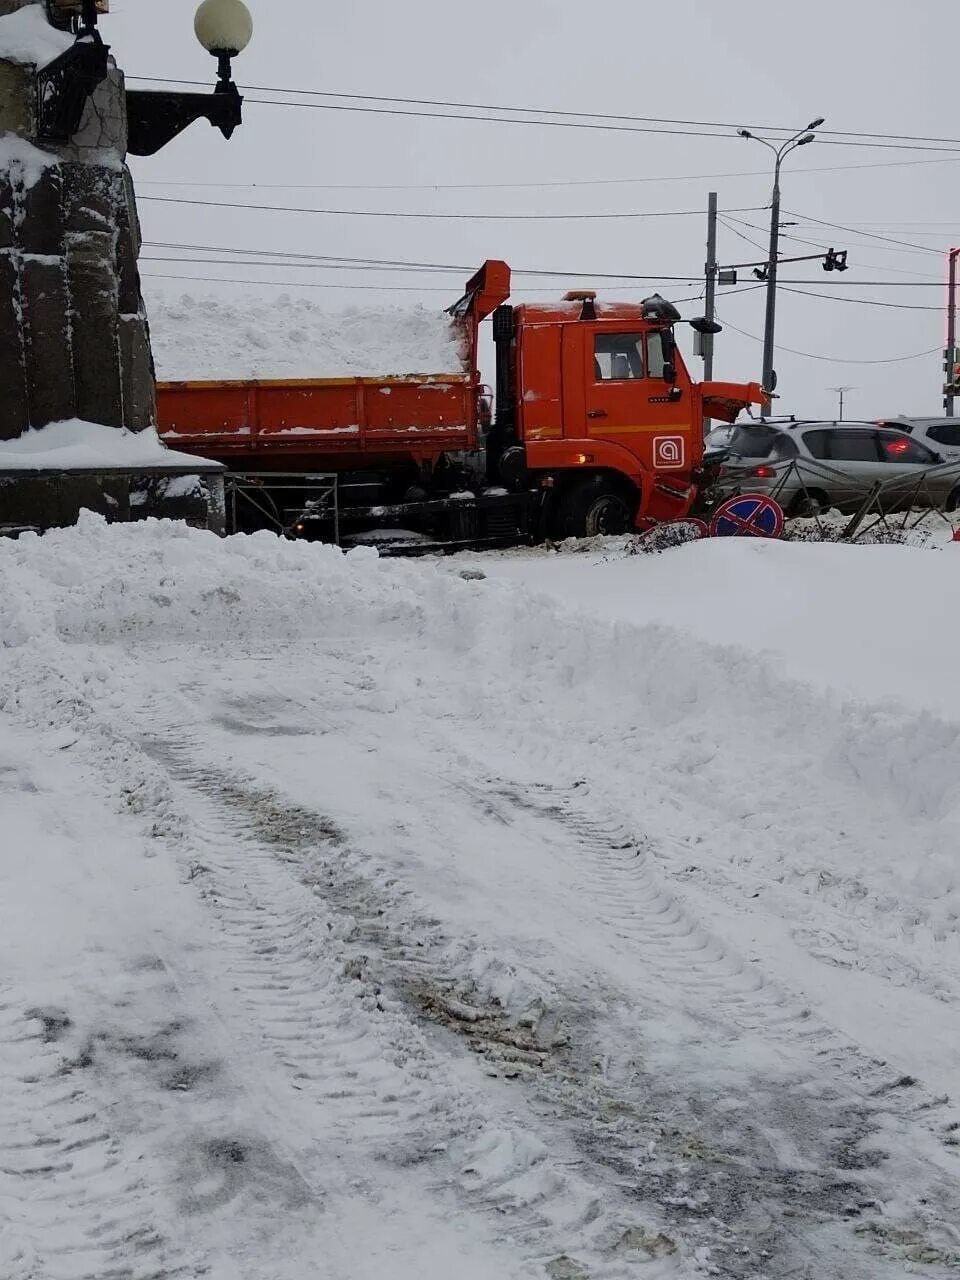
656 356
618 357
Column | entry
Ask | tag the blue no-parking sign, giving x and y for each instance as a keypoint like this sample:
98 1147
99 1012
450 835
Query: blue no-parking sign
750 515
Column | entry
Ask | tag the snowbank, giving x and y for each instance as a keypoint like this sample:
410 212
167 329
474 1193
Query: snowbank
588 683
872 621
27 37
75 445
199 338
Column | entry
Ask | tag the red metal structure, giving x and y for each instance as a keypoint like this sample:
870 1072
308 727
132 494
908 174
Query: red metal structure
598 425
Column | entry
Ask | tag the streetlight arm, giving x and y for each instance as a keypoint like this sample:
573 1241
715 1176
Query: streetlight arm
752 137
156 117
802 140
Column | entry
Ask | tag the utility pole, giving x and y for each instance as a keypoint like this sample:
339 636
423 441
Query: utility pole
710 294
950 352
799 139
769 379
840 391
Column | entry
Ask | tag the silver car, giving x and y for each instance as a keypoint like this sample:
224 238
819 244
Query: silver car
942 435
810 466
719 437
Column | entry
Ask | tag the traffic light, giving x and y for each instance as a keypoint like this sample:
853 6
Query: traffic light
951 370
834 261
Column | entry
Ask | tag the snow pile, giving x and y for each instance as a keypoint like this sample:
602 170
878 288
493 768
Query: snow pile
27 37
202 338
651 690
76 445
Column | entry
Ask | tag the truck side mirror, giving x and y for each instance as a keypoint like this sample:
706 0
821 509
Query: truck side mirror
703 326
669 371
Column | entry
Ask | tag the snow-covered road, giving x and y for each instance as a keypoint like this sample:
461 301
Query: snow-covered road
367 919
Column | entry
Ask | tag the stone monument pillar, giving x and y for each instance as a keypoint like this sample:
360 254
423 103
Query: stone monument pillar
73 331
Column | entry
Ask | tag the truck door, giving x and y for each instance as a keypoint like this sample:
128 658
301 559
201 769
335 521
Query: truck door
628 401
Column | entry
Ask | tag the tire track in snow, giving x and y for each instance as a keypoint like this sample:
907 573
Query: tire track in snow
336 996
564 1085
225 1153
705 1208
827 1176
74 1206
831 1088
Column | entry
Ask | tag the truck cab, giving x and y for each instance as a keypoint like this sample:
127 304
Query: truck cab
595 404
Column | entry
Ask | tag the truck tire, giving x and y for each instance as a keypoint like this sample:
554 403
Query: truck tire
593 507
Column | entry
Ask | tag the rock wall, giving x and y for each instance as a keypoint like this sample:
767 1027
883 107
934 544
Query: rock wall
73 333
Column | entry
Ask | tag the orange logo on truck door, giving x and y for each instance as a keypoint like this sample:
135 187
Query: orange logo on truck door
669 453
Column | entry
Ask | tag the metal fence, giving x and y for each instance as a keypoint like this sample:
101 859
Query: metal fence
283 500
902 503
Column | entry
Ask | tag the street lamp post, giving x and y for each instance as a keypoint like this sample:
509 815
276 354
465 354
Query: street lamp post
799 139
154 117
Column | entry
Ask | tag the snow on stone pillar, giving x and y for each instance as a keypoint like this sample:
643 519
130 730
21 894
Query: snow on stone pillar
73 331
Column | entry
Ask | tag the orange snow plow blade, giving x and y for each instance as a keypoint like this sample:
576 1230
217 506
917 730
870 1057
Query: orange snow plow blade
725 400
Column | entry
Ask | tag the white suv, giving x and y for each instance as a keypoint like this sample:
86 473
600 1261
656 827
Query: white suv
942 435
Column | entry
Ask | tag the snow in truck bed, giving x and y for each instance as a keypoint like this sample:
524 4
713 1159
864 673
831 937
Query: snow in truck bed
200 338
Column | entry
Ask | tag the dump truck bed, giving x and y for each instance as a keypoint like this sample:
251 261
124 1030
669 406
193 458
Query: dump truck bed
336 423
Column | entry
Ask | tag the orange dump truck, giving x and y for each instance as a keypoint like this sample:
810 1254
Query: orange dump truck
598 429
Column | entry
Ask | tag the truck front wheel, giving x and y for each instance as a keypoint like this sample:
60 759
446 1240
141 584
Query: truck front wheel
596 506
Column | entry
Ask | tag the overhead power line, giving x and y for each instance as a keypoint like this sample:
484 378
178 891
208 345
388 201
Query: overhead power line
945 236
568 119
870 235
727 226
348 263
443 217
896 223
544 185
571 124
816 244
809 355
383 288
404 264
864 302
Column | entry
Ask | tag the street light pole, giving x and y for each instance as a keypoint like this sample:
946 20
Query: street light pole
799 139
769 378
950 353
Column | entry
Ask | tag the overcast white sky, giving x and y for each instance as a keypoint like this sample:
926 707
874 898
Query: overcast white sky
866 66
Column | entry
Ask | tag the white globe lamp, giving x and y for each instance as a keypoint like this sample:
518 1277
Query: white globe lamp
224 28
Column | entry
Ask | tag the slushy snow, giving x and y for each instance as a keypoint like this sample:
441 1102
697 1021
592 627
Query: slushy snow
206 338
373 918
